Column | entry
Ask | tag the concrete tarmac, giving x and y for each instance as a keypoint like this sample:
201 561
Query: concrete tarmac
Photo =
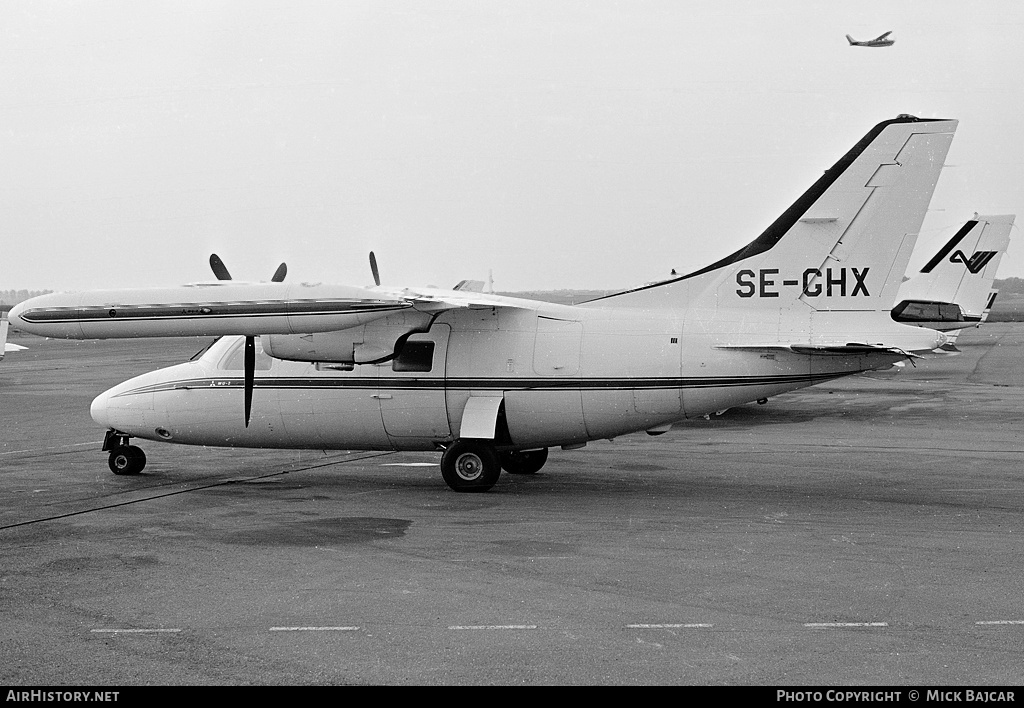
862 532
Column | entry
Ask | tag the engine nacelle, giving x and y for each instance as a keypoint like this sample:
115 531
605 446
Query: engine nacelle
366 344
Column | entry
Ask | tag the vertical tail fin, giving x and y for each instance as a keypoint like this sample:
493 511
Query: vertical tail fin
843 245
963 270
850 39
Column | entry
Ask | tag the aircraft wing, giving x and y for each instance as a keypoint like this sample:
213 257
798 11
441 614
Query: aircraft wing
232 308
883 36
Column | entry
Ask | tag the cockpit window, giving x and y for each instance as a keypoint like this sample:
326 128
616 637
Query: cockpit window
234 360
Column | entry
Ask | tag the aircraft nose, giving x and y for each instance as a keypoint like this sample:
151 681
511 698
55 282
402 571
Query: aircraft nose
99 409
14 316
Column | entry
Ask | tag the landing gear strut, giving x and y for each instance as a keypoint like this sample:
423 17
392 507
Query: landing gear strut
470 466
124 458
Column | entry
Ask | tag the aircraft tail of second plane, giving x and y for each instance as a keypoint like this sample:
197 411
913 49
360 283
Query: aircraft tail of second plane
962 271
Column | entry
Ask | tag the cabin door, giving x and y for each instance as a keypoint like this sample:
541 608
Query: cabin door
411 389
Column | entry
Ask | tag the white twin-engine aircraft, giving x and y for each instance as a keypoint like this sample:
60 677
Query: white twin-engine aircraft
495 381
881 40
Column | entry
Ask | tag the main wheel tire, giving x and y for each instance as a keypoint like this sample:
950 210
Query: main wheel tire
523 461
127 460
470 466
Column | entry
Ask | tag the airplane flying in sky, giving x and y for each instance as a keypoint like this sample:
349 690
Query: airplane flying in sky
953 290
881 40
494 382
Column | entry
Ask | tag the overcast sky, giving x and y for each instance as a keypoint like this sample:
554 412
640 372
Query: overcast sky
578 144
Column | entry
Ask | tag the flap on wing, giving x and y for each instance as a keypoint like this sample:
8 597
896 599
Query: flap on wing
808 348
438 301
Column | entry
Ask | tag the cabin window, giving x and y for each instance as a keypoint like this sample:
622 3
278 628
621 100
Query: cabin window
415 356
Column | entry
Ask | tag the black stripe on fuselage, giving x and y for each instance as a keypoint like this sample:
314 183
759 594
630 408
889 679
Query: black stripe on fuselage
505 384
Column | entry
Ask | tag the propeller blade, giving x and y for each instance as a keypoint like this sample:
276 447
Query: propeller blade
250 371
282 270
373 268
219 269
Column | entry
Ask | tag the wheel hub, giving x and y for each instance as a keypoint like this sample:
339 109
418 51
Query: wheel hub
469 466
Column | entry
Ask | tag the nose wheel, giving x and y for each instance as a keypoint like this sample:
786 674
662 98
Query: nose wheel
127 460
124 458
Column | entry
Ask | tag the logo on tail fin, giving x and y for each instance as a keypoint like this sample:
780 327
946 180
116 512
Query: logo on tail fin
976 262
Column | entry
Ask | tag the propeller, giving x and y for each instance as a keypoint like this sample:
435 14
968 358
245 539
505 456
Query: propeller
250 373
249 360
219 269
373 268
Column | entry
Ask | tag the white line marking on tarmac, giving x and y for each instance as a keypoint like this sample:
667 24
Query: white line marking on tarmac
981 489
132 631
846 624
1001 622
669 626
313 629
495 626
49 447
410 464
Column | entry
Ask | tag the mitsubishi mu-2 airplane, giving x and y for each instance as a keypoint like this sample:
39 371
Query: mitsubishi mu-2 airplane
493 382
881 40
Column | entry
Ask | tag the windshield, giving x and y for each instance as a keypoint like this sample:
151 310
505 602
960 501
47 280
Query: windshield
227 354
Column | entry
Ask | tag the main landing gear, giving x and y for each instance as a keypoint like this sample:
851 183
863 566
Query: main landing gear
474 465
523 461
124 458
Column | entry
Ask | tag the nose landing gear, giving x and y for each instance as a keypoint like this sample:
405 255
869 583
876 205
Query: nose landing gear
124 458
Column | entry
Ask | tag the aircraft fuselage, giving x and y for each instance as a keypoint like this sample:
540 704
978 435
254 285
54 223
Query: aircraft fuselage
554 375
